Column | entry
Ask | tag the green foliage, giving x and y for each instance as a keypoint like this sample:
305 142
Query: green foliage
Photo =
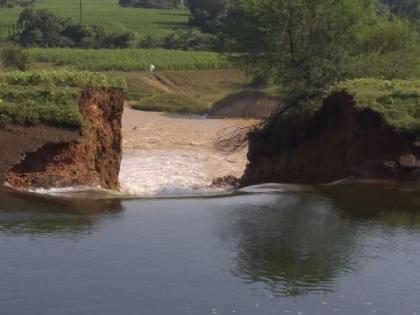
45 29
46 97
405 8
304 45
110 16
60 78
22 106
13 3
205 13
171 103
384 35
190 39
16 57
156 4
129 59
398 101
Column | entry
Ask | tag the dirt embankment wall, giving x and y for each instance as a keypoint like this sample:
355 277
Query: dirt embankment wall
340 141
46 157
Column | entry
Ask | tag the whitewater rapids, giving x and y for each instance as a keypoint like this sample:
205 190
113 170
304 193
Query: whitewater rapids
172 155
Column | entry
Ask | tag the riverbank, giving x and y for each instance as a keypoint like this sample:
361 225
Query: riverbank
363 129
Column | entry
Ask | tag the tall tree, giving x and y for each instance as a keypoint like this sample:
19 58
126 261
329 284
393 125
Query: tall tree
304 45
205 13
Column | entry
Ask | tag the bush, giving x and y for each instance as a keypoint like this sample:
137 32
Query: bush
42 28
189 40
171 103
205 13
13 3
15 57
154 4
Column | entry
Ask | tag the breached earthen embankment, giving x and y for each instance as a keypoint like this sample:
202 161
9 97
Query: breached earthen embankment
46 156
340 141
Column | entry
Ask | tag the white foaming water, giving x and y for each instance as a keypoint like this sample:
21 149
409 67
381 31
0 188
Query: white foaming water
166 173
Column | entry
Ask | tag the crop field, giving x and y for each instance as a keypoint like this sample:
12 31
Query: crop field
108 14
129 59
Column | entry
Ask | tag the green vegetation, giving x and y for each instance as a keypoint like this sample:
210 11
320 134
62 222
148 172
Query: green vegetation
108 14
205 14
16 57
398 101
44 29
171 103
46 97
13 3
129 59
157 4
205 86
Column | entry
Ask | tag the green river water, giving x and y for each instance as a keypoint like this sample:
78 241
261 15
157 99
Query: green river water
348 249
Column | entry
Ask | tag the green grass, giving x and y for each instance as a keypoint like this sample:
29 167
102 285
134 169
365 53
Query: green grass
398 101
193 91
206 86
171 103
128 59
109 14
46 97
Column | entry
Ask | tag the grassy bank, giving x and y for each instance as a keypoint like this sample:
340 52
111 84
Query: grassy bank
398 101
128 59
192 91
107 13
46 97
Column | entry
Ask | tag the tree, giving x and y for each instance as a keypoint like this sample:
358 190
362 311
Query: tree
16 57
42 28
13 3
303 45
405 8
205 13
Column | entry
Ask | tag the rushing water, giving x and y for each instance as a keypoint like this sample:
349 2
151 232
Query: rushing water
344 249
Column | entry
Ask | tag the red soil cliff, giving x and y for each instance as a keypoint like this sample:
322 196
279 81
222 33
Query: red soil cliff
340 141
46 157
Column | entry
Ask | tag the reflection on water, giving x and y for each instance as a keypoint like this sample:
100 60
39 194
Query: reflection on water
295 245
22 213
352 248
303 242
390 203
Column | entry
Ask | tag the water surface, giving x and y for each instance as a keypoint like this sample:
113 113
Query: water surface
346 249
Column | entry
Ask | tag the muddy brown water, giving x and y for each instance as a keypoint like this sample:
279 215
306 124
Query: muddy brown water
173 154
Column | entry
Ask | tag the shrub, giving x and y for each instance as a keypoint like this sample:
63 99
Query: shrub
42 28
16 57
189 40
155 4
171 103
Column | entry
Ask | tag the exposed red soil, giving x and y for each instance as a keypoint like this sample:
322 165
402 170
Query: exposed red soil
340 141
71 159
